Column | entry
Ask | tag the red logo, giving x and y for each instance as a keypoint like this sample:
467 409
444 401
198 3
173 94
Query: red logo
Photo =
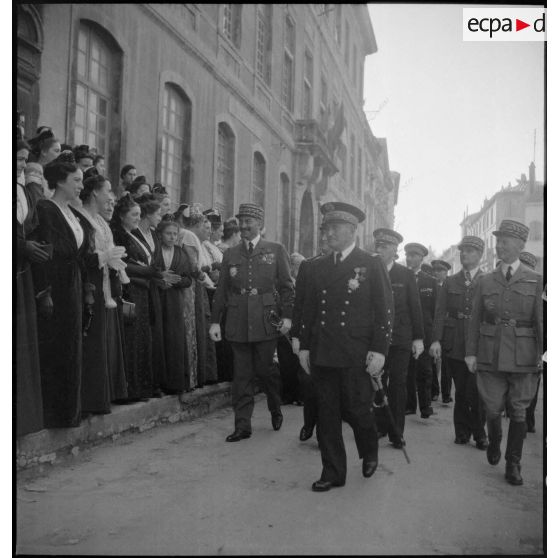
519 25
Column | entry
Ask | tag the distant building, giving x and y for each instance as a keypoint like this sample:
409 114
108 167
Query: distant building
523 202
222 103
451 255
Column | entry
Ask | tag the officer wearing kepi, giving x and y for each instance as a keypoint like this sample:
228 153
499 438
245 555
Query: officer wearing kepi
451 323
407 336
505 344
348 310
252 274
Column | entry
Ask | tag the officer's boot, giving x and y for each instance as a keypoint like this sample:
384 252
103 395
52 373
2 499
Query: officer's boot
514 447
494 428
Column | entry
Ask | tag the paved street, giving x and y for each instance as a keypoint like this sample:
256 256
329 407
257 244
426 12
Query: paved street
180 489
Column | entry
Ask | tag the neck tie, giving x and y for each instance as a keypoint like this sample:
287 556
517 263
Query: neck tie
468 276
509 273
250 247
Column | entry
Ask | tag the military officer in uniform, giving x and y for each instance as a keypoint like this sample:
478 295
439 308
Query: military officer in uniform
255 280
453 312
505 344
348 310
441 269
419 375
407 336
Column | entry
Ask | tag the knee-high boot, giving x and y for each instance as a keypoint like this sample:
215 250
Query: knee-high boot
494 428
514 448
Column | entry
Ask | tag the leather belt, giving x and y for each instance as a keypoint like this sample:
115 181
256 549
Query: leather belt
249 292
511 322
458 315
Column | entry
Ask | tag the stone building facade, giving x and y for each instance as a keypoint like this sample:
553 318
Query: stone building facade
222 103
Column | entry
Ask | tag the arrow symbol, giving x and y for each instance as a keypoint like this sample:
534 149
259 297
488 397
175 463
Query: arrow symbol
519 25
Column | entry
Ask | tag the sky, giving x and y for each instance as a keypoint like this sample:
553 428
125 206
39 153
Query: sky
459 117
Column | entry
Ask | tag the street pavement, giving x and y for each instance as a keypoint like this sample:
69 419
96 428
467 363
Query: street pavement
182 490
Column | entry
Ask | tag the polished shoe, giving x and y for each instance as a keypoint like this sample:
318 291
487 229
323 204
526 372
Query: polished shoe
397 443
434 398
482 444
427 412
324 486
447 400
369 467
513 474
381 434
493 454
238 435
276 421
306 433
461 440
409 412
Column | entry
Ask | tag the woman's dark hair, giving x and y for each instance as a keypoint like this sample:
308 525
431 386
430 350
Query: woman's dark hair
90 185
59 169
22 144
137 183
125 170
81 153
91 171
194 220
230 227
122 206
165 224
148 205
158 188
98 158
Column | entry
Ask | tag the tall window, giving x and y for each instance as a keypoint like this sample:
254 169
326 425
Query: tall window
258 180
359 172
352 162
347 53
173 140
285 213
323 102
338 24
288 64
308 80
232 22
224 195
93 91
263 42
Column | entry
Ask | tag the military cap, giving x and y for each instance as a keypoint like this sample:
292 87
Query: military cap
250 210
514 229
438 265
341 212
387 236
472 242
213 215
528 259
416 248
427 268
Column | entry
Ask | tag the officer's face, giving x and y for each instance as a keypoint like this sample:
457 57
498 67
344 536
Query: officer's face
249 227
324 246
508 248
413 260
440 275
386 251
339 235
470 257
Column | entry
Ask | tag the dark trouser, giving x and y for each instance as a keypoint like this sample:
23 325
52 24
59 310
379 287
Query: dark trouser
468 413
394 380
343 394
288 366
310 398
444 382
251 360
435 383
530 412
419 380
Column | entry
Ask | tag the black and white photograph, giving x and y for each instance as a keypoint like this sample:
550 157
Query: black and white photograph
279 279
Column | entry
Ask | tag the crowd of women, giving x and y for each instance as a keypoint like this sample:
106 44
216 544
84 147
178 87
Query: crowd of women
113 287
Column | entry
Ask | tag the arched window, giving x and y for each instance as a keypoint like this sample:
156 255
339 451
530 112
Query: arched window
175 143
285 210
96 93
224 195
258 180
535 232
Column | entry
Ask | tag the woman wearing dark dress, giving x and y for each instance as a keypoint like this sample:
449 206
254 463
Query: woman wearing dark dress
174 260
29 400
44 149
96 373
140 269
62 287
150 217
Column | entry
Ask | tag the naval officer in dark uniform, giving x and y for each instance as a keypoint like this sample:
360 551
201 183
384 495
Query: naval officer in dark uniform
407 336
255 279
348 314
505 344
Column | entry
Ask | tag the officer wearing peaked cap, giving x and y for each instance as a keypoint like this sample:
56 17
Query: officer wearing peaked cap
453 313
505 344
255 279
407 336
348 313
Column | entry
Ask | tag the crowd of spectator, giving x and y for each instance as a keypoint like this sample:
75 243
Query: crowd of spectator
113 286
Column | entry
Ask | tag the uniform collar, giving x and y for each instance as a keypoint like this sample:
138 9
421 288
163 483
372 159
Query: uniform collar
514 266
254 242
346 252
473 271
390 265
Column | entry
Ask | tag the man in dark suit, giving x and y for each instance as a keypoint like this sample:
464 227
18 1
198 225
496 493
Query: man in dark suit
407 336
453 312
348 310
255 280
441 269
419 376
505 344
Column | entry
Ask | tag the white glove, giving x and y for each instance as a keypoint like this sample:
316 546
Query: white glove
418 348
286 325
304 358
215 332
296 345
471 362
375 363
436 350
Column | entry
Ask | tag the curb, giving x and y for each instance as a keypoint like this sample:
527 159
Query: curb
56 444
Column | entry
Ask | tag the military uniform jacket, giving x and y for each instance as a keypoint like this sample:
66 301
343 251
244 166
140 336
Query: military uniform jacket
506 329
347 310
407 322
250 285
453 313
301 285
428 291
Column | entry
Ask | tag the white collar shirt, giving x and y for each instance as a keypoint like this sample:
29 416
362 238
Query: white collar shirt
514 266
